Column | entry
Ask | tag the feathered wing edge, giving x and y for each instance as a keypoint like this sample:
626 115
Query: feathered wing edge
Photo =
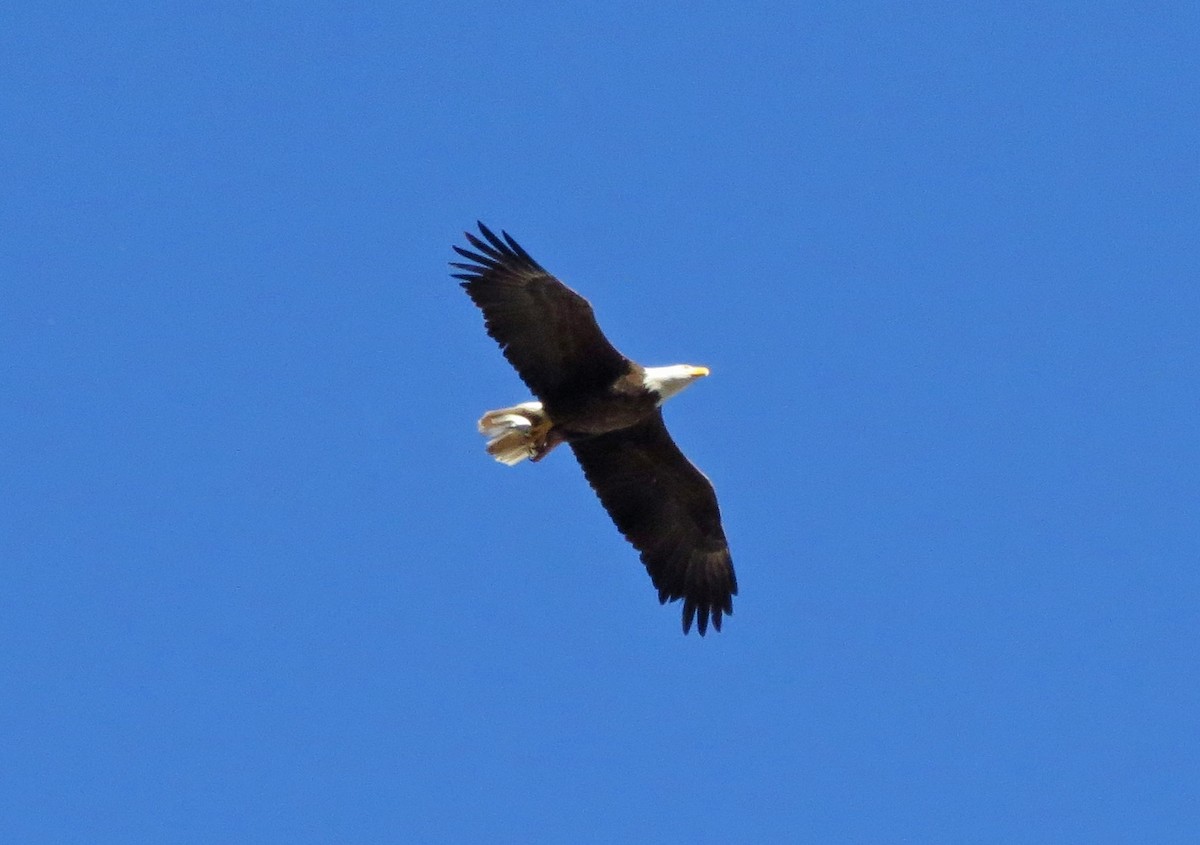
496 253
668 510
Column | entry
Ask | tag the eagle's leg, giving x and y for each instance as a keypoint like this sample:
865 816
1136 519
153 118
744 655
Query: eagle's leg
545 442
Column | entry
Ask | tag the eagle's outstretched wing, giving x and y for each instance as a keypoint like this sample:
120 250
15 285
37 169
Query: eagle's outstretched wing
546 330
668 510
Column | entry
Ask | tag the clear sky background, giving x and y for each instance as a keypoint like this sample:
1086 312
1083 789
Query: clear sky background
262 583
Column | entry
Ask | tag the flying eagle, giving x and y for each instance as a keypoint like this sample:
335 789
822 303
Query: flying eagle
606 407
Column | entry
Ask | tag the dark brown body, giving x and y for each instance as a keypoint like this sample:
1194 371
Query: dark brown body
624 403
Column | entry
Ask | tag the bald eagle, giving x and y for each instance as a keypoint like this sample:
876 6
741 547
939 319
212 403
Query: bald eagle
607 409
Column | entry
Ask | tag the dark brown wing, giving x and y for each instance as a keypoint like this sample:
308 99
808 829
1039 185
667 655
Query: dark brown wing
667 509
546 330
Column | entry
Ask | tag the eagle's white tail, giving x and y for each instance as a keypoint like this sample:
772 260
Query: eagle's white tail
516 433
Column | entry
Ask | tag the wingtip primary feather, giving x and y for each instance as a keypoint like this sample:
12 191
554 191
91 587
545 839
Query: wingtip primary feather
486 249
702 612
481 262
491 236
517 248
502 246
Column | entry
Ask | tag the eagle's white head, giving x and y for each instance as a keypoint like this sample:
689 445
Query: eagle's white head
667 381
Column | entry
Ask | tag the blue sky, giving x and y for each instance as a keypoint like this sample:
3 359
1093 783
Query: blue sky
264 585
